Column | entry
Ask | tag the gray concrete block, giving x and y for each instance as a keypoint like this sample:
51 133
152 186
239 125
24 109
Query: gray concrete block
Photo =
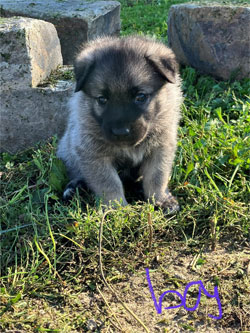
29 51
76 21
215 39
29 116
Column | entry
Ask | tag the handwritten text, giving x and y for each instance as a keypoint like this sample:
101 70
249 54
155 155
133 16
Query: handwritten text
158 305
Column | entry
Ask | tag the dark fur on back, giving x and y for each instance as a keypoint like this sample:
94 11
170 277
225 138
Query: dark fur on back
124 113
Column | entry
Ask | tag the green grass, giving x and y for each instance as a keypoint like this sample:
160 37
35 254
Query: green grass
49 250
151 19
146 17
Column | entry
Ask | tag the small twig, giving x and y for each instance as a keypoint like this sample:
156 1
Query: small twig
213 223
150 232
104 279
196 258
224 269
115 325
194 261
112 313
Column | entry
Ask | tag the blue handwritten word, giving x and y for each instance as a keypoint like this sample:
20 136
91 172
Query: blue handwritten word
158 306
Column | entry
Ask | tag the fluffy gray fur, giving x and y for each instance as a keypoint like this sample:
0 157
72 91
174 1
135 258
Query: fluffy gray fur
125 110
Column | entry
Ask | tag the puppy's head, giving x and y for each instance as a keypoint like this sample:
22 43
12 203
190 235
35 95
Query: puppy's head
122 78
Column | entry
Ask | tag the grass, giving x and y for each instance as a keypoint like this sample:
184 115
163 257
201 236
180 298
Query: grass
146 17
49 250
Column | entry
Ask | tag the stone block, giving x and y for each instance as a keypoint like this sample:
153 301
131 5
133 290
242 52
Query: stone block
214 39
29 116
76 21
29 51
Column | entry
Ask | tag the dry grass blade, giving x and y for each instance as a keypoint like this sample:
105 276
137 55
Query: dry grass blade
106 282
150 231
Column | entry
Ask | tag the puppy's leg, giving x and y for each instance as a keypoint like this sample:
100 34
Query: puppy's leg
156 172
102 178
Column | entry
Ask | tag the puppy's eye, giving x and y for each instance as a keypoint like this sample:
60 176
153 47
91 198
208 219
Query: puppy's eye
102 100
140 98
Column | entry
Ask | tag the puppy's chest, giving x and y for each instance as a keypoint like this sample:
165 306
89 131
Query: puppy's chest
129 157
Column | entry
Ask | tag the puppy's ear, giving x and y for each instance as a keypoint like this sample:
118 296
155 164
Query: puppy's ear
83 66
166 66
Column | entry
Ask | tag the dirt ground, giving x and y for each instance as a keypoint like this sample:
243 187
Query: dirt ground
174 270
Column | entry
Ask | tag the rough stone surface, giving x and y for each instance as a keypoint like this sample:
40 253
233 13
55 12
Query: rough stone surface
29 51
32 115
213 39
76 21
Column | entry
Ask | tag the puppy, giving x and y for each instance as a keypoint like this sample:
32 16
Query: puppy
124 115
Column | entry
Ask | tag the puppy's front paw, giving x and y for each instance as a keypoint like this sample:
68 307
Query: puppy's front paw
169 204
68 193
70 189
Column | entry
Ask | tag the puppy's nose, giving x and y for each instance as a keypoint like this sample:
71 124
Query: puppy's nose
124 131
